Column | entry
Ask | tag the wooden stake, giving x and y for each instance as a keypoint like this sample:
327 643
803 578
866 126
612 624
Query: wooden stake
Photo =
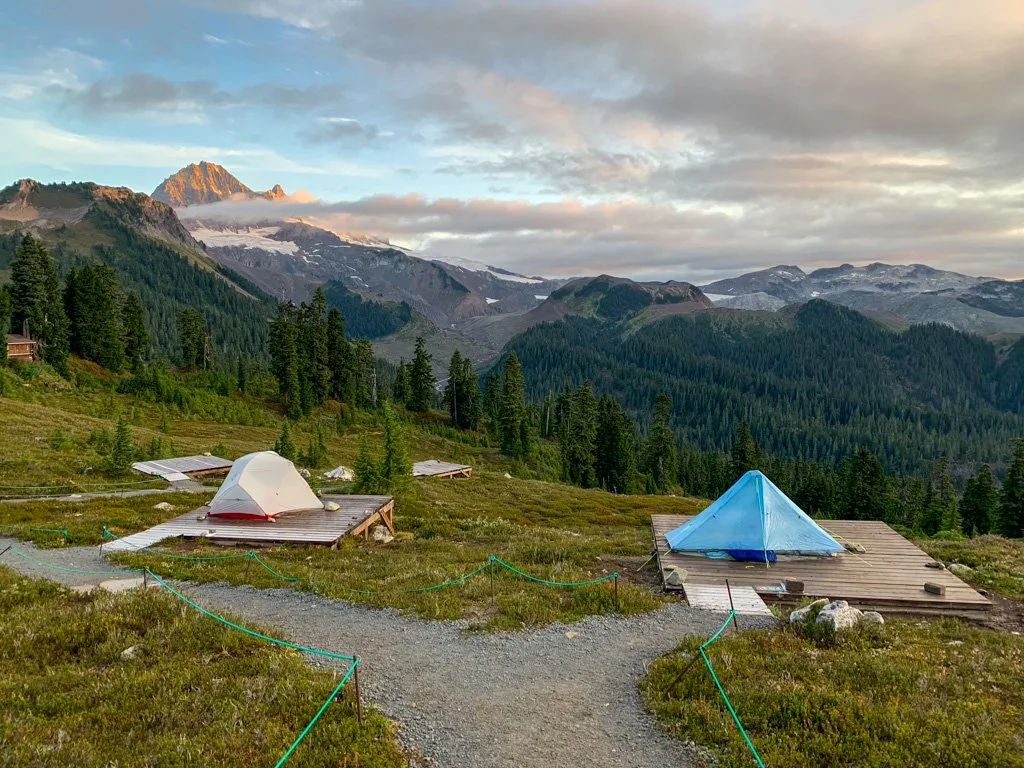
731 606
616 585
491 572
359 698
5 551
687 668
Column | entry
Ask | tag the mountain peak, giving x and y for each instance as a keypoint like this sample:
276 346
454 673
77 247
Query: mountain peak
204 182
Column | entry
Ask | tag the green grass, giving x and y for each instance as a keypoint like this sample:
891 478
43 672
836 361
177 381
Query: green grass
549 530
997 563
198 694
910 693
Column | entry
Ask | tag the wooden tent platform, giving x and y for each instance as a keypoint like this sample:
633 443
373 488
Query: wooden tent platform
315 526
888 577
435 468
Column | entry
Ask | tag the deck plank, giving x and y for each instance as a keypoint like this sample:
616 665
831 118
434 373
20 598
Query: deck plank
888 576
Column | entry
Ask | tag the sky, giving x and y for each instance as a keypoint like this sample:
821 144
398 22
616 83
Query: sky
657 139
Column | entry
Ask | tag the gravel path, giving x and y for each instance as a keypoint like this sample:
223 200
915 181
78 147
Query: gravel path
468 700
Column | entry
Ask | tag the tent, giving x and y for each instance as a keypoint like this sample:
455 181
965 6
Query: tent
261 486
753 520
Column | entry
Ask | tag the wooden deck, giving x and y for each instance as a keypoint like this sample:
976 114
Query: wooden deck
315 526
443 469
888 577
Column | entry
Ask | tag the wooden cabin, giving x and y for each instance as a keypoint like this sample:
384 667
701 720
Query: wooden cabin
21 347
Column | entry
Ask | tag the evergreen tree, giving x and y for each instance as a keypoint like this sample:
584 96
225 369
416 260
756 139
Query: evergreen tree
578 438
745 454
364 374
395 466
316 357
460 393
122 449
284 358
421 380
92 302
512 426
367 471
491 401
660 451
284 446
942 509
136 334
615 464
980 503
866 494
339 359
316 452
5 319
241 375
36 297
192 339
402 389
1011 500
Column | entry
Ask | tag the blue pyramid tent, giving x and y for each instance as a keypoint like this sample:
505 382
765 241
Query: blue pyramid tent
754 518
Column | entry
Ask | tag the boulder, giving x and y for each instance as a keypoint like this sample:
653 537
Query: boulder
305 473
332 506
839 615
676 577
132 652
872 617
959 569
800 614
381 534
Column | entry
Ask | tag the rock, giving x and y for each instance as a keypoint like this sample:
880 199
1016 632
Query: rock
934 564
676 577
331 506
959 569
508 476
382 535
132 652
854 547
955 643
872 617
934 589
800 614
163 506
570 634
305 473
839 615
793 586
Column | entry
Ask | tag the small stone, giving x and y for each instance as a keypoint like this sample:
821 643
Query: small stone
934 564
677 577
382 535
132 652
163 506
955 643
332 506
508 476
934 589
872 617
570 634
959 569
839 615
305 473
793 586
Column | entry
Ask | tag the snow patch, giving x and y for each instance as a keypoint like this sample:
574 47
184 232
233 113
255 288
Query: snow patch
492 301
540 298
477 266
248 238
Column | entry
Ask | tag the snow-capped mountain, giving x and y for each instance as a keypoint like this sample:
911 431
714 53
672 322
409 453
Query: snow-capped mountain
915 293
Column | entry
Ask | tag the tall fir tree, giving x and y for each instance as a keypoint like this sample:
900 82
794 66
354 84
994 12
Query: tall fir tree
284 446
284 358
92 301
395 466
615 464
421 379
122 449
660 449
942 509
866 494
745 454
578 438
339 359
512 425
316 352
28 286
5 319
136 334
193 341
460 393
364 370
1011 499
980 503
402 388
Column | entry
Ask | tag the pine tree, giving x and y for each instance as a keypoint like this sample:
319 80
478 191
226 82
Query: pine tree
284 446
367 471
241 375
980 503
122 449
317 349
578 438
491 402
192 339
36 297
512 411
364 374
402 389
615 464
451 397
421 380
92 302
136 334
339 359
866 494
942 509
460 393
660 451
5 319
1011 499
745 454
316 452
395 466
284 358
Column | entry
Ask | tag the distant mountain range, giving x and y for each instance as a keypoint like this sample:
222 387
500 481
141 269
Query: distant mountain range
911 294
202 183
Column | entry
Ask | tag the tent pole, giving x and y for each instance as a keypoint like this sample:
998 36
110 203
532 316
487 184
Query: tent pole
731 606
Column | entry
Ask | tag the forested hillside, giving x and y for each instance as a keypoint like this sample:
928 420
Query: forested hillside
815 383
366 318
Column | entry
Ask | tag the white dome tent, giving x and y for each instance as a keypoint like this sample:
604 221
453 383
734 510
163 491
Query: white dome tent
261 486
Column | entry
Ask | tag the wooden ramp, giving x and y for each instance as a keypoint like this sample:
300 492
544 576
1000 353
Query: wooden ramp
716 597
889 576
435 468
325 527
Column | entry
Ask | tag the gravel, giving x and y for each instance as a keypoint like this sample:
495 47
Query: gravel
563 695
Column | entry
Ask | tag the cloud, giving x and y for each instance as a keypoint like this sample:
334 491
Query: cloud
342 130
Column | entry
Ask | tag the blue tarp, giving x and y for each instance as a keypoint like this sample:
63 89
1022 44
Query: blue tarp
753 515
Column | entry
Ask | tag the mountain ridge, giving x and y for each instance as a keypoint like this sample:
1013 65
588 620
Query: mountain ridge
203 183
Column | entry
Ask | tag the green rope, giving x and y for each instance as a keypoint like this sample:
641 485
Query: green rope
449 583
512 568
721 629
75 570
327 703
143 550
221 619
52 530
270 570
